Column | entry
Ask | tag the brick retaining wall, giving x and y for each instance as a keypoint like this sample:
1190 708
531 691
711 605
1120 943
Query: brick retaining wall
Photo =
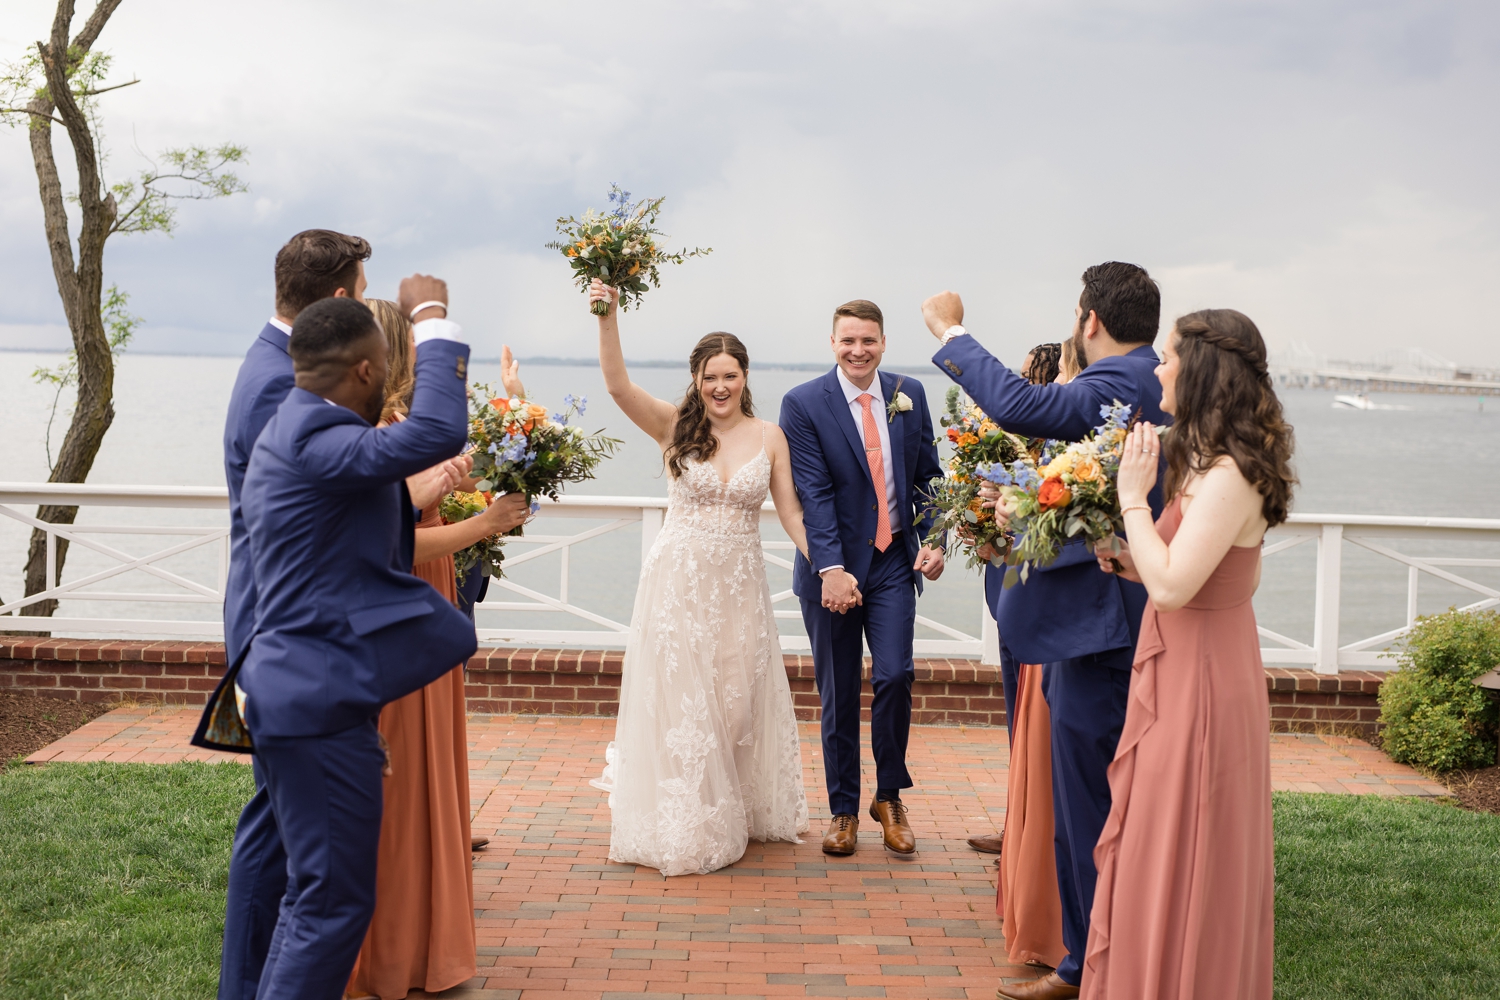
587 682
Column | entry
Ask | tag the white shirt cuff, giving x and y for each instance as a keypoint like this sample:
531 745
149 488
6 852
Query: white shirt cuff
825 569
437 329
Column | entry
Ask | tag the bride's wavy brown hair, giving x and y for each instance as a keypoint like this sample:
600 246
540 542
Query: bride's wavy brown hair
1226 405
693 435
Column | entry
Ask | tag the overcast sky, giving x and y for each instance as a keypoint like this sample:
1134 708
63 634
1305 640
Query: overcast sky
1327 167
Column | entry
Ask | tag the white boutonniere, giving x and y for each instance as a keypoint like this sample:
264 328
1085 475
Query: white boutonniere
900 403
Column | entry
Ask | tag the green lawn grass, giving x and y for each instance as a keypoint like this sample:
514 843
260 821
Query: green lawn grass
112 885
112 878
1385 898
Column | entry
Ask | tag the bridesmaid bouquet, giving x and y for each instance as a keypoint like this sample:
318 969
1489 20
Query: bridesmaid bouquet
518 447
1069 492
979 445
620 247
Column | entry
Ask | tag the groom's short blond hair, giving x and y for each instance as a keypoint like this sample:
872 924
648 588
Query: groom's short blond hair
860 309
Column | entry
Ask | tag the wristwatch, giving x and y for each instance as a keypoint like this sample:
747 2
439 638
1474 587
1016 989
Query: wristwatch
953 331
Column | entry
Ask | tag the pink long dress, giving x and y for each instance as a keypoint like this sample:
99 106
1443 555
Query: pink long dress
1183 907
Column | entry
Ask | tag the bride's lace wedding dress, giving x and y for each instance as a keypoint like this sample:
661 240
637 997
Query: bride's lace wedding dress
706 754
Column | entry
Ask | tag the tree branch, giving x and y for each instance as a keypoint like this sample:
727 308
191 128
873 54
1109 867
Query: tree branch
30 111
85 39
105 90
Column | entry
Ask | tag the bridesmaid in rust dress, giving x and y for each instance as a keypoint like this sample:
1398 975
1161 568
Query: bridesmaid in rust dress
422 933
1183 907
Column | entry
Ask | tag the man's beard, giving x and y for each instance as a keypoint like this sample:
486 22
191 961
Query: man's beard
375 404
1078 352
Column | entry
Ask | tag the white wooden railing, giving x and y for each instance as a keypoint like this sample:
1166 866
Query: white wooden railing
208 544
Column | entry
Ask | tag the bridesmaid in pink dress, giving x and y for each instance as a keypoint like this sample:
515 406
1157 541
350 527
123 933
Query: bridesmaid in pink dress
1183 907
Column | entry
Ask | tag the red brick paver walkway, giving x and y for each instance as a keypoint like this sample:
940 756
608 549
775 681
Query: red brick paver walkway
556 917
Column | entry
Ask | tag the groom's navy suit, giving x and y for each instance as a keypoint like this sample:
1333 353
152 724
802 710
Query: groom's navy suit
1078 621
257 873
341 628
839 497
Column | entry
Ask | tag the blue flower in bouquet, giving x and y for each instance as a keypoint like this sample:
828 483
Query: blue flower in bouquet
515 451
536 505
997 474
530 458
1023 475
1116 416
560 418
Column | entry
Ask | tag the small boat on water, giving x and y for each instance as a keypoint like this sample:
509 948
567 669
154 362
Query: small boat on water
1362 401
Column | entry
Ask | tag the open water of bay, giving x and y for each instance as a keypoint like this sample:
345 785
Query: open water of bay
1440 456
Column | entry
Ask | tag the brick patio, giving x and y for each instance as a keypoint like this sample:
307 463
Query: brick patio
555 917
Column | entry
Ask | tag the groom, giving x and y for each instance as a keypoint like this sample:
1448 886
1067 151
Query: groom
862 456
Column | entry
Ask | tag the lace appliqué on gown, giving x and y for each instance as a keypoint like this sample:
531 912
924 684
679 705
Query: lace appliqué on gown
706 753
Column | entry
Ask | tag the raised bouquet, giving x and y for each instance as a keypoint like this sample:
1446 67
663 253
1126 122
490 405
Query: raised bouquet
953 500
1068 493
518 447
620 247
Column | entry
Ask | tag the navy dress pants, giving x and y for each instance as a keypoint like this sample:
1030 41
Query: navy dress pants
257 881
326 795
887 621
1010 679
1086 698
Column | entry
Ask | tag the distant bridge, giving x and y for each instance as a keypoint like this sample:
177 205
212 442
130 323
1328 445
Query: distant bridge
1465 383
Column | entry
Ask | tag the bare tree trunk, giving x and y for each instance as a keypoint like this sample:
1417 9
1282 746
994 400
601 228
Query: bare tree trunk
79 286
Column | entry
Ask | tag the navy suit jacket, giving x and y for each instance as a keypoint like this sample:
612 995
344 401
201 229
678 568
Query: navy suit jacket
833 481
1070 608
342 626
264 380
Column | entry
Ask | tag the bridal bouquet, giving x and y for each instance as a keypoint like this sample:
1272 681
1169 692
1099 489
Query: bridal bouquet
620 247
979 445
518 447
1070 492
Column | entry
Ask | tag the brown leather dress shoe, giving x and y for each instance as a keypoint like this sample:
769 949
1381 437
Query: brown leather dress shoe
1049 987
892 819
476 843
990 843
842 836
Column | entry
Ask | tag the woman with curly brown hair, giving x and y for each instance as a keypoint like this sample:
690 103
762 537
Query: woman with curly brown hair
706 754
1183 907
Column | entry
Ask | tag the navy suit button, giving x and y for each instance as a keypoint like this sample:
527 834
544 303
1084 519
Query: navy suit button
869 541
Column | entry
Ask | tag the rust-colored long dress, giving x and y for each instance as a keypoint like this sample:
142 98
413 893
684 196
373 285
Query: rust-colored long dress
1183 907
1027 898
422 934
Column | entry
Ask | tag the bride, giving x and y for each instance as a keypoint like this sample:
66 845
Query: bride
706 753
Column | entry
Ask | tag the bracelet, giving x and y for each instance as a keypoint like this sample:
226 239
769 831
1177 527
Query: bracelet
1135 506
428 305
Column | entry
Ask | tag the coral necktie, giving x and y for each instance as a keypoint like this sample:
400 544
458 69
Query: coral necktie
877 474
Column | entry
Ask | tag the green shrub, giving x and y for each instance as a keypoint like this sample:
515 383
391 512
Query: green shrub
1434 716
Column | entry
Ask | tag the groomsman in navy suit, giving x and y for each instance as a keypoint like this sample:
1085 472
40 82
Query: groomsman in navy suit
341 626
862 457
315 264
1079 622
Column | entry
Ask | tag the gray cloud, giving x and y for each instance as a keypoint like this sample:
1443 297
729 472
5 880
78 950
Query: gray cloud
1325 167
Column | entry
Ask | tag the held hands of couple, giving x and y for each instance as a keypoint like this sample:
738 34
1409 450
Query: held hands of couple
840 591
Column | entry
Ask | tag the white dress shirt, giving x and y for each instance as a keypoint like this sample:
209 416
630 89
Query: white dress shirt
852 393
283 327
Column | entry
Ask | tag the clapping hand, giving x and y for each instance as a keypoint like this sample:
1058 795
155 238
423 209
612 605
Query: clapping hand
1138 465
431 485
510 374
